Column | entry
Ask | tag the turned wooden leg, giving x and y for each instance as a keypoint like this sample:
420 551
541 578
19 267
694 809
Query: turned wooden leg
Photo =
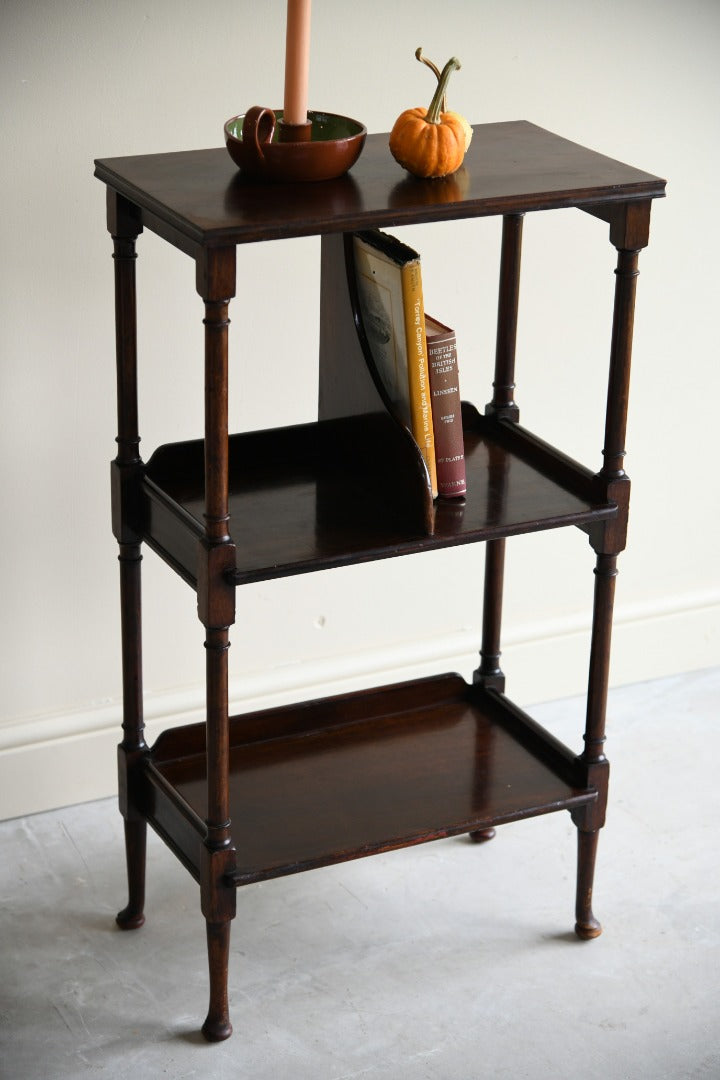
590 820
132 917
502 407
126 477
586 925
217 892
217 1025
490 674
629 233
132 748
503 404
216 610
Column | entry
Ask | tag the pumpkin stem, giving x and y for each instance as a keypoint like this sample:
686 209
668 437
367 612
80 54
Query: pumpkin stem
434 68
433 113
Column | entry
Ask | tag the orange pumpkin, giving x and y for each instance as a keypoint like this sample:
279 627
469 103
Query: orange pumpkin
429 142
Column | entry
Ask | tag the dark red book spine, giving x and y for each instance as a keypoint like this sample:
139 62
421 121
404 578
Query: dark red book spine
446 409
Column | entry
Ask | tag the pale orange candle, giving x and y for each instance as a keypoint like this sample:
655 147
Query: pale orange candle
297 61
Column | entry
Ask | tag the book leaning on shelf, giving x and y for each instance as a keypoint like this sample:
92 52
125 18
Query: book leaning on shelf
415 356
389 284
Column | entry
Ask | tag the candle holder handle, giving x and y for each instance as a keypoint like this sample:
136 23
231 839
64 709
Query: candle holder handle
258 129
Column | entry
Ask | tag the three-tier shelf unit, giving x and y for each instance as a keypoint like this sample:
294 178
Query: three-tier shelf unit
247 798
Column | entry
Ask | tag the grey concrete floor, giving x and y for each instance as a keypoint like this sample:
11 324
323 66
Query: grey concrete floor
449 961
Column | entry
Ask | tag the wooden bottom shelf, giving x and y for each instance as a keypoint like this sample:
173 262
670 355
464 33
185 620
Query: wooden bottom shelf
331 780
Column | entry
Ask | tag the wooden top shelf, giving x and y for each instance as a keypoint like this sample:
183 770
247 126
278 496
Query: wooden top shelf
197 198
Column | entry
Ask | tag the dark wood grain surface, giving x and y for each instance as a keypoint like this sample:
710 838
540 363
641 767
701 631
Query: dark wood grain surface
199 197
304 499
337 779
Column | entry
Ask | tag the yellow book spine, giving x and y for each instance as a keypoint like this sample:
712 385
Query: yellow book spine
417 365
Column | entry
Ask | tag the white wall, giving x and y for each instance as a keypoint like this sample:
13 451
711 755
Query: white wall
636 79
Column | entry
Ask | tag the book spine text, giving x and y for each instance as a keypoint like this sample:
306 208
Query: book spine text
417 362
447 414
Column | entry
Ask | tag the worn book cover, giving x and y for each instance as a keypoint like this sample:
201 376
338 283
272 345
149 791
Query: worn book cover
446 408
389 282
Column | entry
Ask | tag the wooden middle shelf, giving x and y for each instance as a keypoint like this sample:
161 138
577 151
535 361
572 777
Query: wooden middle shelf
325 495
348 776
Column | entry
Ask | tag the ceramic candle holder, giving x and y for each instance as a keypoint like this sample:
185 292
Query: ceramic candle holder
264 150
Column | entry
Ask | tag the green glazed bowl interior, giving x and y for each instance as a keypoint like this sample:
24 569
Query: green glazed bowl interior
325 126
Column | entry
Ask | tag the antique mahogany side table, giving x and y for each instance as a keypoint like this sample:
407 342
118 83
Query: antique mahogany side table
247 798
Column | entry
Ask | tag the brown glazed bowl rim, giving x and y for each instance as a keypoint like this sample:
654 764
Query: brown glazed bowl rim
334 146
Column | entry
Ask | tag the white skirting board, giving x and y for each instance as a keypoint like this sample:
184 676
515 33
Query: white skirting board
66 758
